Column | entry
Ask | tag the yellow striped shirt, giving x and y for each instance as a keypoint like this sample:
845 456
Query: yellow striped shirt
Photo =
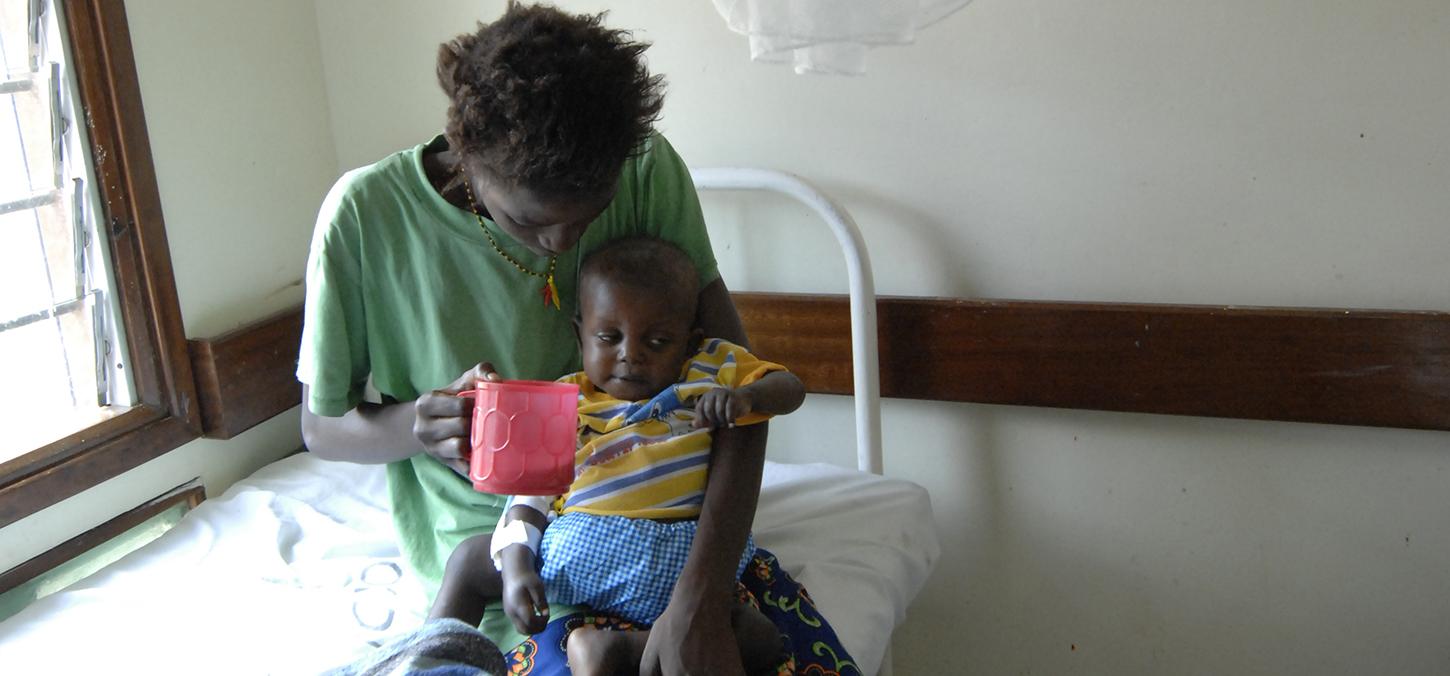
645 459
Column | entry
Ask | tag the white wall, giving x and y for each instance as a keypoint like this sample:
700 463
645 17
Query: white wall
1269 152
239 129
239 125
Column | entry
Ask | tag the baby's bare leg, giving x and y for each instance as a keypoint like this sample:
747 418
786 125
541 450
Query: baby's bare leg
469 582
602 652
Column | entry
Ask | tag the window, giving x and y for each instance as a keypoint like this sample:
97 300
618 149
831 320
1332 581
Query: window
96 377
56 334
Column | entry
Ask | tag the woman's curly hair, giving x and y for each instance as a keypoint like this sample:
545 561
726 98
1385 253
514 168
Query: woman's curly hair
547 100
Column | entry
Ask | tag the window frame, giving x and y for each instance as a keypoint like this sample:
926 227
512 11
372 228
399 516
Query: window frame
166 414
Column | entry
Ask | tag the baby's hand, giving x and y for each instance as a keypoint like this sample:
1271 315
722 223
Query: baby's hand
722 406
524 602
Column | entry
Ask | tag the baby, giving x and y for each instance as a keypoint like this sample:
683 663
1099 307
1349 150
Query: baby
651 391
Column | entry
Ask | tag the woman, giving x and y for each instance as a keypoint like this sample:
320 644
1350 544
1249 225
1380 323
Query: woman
461 255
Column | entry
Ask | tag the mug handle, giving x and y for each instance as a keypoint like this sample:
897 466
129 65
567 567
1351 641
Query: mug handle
468 448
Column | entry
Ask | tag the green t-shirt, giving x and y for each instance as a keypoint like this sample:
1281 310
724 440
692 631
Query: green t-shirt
405 291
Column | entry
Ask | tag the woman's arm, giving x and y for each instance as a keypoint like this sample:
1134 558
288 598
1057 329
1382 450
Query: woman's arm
716 315
370 433
437 423
694 635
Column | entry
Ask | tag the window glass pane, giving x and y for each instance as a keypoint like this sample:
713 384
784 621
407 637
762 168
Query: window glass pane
32 354
76 325
58 239
27 154
27 165
23 277
14 43
54 358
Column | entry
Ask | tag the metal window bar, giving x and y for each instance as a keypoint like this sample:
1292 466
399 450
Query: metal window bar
99 316
23 83
32 202
59 125
80 238
45 314
38 10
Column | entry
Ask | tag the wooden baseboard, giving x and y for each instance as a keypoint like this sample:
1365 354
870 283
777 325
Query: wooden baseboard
1353 367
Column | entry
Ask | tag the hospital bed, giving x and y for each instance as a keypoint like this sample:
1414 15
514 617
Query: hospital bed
294 569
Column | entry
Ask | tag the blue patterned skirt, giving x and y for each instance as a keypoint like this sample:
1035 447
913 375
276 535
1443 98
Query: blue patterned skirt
811 646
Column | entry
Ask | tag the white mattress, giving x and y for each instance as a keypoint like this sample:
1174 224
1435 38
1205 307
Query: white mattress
295 570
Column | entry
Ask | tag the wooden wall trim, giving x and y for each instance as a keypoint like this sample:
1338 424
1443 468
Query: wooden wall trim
248 375
1352 367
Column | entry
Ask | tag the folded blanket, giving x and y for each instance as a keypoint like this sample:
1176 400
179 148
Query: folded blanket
445 647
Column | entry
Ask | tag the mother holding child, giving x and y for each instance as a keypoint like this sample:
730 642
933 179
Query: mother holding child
463 255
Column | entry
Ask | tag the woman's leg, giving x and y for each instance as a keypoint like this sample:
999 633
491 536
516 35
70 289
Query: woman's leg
469 582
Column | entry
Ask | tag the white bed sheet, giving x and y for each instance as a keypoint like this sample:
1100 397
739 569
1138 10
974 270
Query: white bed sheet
294 570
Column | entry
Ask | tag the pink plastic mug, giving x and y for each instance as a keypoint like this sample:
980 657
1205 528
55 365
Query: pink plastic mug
523 436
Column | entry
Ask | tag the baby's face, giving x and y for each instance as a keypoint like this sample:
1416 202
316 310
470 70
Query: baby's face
633 341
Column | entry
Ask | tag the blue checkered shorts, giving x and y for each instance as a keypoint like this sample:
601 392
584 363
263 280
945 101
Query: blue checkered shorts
618 565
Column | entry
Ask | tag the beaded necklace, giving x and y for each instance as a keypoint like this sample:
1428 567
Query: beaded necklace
549 292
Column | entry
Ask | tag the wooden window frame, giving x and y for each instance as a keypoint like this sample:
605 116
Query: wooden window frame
165 414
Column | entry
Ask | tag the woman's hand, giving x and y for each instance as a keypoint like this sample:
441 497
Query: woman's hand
692 636
722 406
443 419
524 601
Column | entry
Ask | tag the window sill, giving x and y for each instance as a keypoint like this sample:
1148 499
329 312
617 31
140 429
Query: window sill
72 465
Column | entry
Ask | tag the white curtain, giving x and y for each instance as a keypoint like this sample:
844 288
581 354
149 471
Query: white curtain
829 36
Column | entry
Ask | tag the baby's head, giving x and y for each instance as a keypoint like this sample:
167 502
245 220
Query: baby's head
636 321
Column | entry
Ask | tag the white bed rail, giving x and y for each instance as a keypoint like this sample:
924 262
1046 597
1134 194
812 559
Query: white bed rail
865 369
